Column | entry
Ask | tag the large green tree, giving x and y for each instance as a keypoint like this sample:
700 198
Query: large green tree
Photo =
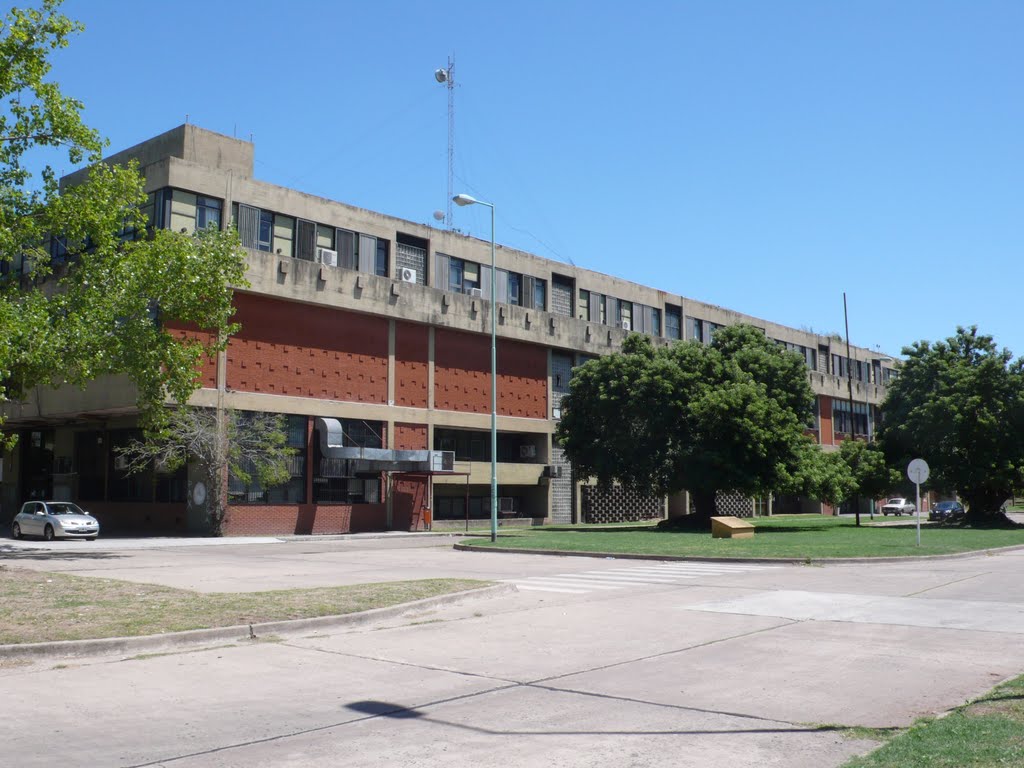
729 416
104 306
959 405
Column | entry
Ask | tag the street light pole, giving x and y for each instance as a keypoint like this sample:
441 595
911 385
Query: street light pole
849 381
463 200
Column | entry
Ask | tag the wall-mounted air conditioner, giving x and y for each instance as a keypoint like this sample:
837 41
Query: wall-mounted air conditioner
327 257
476 292
121 463
507 505
527 451
552 470
442 461
626 326
407 275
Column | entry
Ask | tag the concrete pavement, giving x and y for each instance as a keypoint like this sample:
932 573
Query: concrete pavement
736 667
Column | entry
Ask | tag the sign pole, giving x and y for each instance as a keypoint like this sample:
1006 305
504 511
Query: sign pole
918 472
918 486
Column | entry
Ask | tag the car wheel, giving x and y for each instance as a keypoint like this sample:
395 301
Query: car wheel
48 533
15 531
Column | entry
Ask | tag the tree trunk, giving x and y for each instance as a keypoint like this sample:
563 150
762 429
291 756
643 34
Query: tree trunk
704 502
984 507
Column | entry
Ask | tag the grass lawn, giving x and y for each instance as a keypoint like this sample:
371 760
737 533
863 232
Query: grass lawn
789 536
41 607
986 732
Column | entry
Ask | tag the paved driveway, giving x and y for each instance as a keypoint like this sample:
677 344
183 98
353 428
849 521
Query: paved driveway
592 662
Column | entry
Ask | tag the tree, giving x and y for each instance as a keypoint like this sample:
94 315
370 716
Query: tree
820 475
246 446
872 476
730 416
103 305
959 404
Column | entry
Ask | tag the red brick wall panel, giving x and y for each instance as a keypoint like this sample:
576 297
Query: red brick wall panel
411 364
410 437
208 365
304 519
302 350
825 415
408 501
462 382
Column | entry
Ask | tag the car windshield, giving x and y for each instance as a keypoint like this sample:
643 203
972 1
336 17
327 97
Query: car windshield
895 501
64 508
947 505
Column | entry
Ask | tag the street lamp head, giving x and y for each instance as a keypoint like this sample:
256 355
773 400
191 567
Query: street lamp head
464 200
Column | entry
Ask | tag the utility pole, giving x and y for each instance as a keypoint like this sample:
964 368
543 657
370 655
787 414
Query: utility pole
849 381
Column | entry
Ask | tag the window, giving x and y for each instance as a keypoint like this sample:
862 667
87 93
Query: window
695 329
335 481
673 322
188 212
583 305
292 491
841 417
539 293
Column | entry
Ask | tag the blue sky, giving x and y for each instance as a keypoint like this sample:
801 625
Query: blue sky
764 156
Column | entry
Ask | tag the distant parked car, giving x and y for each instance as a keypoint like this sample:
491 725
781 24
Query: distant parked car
947 512
54 520
898 507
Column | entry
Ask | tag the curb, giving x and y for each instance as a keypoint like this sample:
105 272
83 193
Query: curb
765 560
236 633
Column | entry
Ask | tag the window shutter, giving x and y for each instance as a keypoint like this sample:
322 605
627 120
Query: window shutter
249 225
306 240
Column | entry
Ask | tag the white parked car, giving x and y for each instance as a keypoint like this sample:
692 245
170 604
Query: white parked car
898 507
54 520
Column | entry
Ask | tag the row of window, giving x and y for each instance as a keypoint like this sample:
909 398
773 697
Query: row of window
462 276
272 232
608 310
841 417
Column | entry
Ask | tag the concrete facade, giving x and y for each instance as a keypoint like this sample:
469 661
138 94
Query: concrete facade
396 342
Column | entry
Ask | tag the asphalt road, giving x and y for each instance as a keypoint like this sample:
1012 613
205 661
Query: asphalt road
593 662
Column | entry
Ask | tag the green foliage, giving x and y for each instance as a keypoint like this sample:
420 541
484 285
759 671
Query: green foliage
959 404
95 315
730 416
856 469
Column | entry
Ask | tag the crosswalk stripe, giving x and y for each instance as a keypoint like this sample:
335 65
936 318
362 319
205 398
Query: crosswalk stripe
638 575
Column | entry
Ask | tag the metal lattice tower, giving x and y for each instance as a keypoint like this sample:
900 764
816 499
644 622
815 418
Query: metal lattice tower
444 76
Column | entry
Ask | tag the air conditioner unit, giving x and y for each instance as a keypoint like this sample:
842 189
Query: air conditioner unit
552 470
507 505
527 451
161 466
121 463
626 326
442 461
476 292
407 275
327 257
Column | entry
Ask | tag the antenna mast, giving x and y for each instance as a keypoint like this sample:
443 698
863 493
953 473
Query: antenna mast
444 76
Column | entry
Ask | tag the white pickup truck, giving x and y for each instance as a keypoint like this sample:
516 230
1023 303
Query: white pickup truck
898 507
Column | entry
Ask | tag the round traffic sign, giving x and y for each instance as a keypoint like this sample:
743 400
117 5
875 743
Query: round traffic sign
917 471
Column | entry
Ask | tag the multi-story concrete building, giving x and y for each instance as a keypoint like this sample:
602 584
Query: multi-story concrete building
372 334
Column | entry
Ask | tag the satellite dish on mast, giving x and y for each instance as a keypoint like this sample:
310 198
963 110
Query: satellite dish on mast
441 75
439 215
